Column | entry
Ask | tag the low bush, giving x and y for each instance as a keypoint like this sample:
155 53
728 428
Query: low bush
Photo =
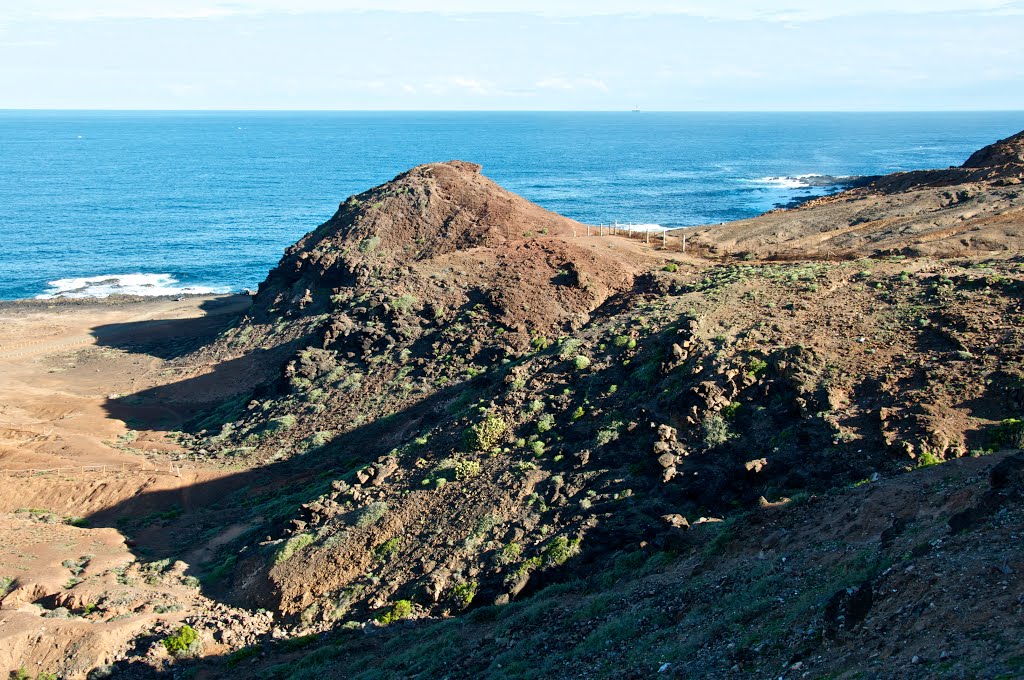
372 514
183 643
559 550
464 593
464 469
401 610
486 434
292 546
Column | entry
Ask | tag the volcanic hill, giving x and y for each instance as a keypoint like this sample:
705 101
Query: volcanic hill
466 437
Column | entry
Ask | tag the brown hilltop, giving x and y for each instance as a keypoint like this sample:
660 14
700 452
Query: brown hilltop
429 211
444 234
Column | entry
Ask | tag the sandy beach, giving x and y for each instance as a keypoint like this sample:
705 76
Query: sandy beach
61 364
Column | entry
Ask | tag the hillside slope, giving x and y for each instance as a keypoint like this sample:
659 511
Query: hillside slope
448 403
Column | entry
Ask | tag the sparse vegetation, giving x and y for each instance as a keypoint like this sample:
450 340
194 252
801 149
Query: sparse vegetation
292 546
401 610
369 244
444 450
183 643
388 549
486 434
372 514
463 593
716 431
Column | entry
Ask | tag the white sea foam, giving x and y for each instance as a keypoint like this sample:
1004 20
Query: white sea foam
804 181
121 284
791 182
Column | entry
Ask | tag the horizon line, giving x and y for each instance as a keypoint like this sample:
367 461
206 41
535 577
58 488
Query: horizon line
28 109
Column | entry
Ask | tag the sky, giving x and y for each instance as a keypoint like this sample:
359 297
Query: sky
700 55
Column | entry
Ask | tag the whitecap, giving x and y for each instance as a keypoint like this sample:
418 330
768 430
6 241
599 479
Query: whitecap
795 182
106 285
807 181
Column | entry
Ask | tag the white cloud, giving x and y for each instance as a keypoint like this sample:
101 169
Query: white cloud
183 89
568 84
743 10
28 43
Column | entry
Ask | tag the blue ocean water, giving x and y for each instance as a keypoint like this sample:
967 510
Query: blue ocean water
208 201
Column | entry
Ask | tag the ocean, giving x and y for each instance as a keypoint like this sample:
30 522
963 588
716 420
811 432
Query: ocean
94 203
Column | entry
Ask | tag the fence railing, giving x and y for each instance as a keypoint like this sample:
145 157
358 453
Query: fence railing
642 232
108 468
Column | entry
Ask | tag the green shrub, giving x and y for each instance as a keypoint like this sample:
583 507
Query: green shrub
546 422
239 655
716 431
558 551
292 546
624 341
577 414
387 549
537 447
568 349
222 568
23 674
671 267
281 423
510 553
464 593
183 643
296 643
401 610
369 244
486 434
317 439
464 469
371 514
404 303
581 362
756 366
606 435
1008 434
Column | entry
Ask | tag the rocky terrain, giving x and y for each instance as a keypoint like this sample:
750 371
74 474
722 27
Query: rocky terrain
456 435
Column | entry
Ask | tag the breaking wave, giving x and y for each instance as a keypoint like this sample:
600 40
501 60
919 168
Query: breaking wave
106 285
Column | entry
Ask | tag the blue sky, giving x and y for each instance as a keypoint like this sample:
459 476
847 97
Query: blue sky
524 55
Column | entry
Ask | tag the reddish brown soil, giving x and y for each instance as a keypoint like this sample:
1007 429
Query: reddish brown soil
448 396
